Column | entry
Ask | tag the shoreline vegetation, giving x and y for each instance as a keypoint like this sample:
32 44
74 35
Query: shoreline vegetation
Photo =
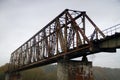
49 72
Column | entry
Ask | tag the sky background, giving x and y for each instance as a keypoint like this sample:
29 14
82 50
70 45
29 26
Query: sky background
21 19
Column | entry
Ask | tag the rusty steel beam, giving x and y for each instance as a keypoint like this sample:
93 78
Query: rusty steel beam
64 35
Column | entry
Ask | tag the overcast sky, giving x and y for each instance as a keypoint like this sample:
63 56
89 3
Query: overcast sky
20 19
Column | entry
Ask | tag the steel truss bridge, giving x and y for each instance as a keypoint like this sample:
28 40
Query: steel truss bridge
71 34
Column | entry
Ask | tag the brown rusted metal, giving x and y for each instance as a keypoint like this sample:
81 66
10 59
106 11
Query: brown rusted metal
62 36
95 26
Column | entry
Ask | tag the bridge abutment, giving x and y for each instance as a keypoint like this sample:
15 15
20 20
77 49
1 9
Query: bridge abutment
74 70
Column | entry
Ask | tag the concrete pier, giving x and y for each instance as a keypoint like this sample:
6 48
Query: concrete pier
7 76
74 70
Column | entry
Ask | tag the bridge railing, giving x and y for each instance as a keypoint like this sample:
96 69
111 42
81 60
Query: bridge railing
112 30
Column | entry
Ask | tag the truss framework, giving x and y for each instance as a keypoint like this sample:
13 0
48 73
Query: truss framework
66 32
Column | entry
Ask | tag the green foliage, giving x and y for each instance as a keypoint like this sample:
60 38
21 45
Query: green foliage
106 73
2 76
3 69
33 74
49 72
41 73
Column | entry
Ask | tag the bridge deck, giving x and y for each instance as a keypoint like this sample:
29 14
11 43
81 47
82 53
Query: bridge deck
109 44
